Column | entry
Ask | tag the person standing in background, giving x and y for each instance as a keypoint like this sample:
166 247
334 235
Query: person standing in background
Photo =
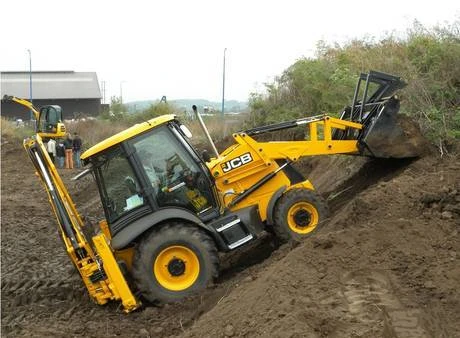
77 149
51 147
60 153
68 144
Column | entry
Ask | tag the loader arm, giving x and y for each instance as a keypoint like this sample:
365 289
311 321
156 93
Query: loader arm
320 142
97 267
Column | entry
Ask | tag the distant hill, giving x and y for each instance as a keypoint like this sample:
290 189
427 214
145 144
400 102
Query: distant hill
186 105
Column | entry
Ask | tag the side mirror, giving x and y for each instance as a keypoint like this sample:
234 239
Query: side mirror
205 155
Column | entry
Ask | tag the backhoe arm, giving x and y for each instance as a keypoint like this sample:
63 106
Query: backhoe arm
25 103
97 267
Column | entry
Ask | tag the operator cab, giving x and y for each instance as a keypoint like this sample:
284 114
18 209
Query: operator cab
151 167
49 122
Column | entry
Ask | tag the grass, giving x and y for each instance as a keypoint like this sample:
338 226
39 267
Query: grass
94 131
13 132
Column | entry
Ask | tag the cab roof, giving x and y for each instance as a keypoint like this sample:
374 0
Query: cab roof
127 134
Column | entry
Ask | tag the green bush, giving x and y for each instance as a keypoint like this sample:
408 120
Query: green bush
427 59
155 110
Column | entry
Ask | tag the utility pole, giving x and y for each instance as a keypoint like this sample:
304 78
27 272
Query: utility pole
223 87
30 82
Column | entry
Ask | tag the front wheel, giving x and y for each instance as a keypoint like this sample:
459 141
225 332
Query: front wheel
173 262
298 213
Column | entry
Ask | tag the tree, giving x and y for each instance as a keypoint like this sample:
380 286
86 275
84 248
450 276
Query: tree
117 108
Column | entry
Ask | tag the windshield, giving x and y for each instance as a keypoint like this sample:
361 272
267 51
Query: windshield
49 117
175 177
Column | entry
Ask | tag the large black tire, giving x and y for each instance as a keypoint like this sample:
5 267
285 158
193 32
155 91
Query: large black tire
173 262
298 213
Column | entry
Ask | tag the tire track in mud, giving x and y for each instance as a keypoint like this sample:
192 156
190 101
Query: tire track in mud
371 298
40 290
369 294
29 300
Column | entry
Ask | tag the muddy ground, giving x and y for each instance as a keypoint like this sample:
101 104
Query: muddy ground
386 264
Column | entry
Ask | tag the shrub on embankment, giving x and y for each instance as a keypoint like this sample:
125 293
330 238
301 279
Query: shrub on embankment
428 59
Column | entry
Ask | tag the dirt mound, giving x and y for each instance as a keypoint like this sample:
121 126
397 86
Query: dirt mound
386 265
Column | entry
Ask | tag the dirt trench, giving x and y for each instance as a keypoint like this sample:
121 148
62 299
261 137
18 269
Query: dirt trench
385 265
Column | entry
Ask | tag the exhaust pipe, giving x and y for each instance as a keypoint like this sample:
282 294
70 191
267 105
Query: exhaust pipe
206 132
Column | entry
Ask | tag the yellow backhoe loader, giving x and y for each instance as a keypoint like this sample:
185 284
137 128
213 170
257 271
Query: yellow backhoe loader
169 210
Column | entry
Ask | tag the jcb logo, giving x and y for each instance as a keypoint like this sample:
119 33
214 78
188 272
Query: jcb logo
236 162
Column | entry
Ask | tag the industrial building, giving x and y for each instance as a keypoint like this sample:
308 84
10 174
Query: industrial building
78 93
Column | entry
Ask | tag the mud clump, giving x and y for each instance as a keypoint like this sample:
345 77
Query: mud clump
444 204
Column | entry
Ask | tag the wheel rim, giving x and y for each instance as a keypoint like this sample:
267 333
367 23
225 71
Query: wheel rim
176 268
302 218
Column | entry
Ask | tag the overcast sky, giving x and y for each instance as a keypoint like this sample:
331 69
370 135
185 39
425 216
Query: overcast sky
147 49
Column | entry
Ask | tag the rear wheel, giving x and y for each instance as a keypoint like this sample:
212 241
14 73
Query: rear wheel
298 213
174 262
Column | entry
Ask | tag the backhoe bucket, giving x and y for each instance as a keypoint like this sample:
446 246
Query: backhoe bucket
391 135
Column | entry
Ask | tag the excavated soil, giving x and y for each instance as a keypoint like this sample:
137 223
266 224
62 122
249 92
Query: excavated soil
385 265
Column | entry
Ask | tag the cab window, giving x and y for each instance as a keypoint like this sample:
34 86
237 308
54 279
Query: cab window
119 185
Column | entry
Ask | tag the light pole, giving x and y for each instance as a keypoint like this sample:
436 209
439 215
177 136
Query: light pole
30 81
121 91
223 87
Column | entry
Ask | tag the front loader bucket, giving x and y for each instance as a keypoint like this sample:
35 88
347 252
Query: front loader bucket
391 135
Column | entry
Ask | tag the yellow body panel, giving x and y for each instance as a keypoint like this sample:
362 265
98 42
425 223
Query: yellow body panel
125 255
305 184
59 131
126 134
116 281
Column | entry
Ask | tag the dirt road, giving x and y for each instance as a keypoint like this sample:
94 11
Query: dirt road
386 265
